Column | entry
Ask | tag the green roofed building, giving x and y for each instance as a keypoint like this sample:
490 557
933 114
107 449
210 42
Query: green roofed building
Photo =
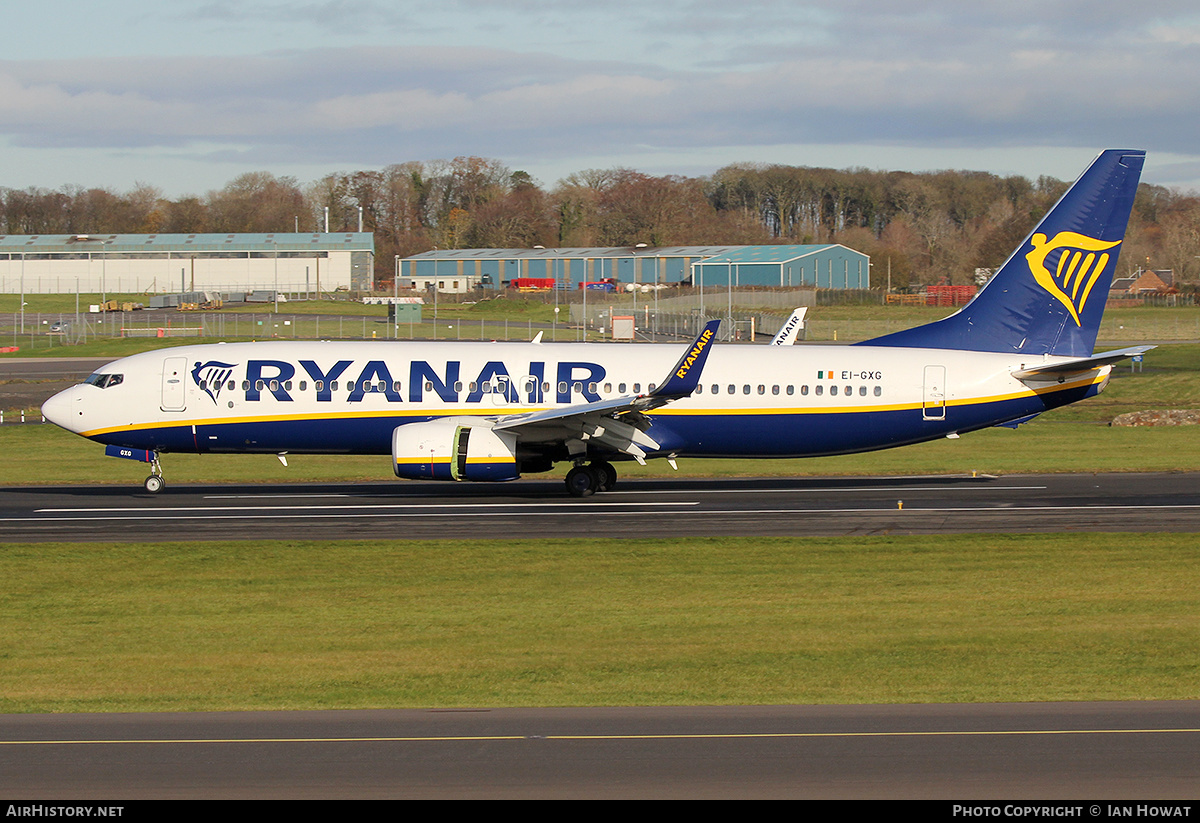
829 266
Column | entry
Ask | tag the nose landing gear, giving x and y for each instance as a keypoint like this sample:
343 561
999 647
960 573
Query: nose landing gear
154 483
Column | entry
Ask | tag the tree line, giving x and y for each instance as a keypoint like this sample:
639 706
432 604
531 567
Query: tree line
925 228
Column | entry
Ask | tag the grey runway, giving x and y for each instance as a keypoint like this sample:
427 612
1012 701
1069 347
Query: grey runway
643 508
956 752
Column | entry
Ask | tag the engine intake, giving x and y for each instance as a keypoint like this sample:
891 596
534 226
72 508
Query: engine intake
454 448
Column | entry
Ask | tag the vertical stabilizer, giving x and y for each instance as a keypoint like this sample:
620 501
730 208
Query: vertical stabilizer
1049 296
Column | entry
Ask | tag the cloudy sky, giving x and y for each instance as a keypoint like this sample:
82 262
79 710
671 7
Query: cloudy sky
185 95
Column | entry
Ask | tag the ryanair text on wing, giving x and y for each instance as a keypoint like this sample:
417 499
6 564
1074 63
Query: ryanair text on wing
701 344
1081 260
277 378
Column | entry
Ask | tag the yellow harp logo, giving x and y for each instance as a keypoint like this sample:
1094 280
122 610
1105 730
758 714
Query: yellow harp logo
1080 262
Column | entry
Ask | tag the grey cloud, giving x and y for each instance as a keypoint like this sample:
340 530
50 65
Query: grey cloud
346 16
380 105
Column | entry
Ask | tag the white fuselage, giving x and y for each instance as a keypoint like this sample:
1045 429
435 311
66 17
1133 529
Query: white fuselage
752 401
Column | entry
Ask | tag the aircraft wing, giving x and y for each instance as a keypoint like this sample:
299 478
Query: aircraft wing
1079 365
618 423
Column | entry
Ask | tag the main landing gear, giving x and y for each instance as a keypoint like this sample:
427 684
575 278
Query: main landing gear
599 476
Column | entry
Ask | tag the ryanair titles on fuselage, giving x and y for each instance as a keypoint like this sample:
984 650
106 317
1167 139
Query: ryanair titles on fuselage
572 379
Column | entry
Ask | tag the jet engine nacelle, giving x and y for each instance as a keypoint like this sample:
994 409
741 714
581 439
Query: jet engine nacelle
454 448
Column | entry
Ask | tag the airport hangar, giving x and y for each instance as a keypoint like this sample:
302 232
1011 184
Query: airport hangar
825 266
166 263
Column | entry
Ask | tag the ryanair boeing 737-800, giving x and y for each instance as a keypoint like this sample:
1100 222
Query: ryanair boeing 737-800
494 411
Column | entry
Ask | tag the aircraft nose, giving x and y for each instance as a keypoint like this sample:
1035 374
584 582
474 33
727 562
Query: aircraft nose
63 409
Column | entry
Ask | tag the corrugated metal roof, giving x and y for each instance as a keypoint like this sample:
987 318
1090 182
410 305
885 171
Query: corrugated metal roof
745 253
575 252
775 254
282 241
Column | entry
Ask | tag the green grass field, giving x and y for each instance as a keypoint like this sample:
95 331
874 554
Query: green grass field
275 625
45 454
493 319
506 317
1125 324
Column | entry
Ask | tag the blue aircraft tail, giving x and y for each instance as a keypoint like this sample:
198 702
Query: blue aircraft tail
1049 296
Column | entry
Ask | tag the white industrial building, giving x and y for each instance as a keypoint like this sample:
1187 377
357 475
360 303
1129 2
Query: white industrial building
164 263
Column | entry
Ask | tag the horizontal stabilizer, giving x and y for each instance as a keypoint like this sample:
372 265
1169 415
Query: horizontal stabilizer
1079 365
1012 424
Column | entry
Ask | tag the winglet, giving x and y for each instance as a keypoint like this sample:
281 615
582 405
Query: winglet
686 375
789 330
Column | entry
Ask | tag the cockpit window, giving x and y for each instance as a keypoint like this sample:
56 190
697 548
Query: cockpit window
105 380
